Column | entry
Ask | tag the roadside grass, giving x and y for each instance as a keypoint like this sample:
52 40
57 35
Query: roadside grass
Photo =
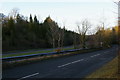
20 54
35 52
24 50
68 48
11 64
109 70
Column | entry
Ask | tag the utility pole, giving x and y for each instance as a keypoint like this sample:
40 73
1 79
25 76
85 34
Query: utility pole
1 19
119 38
119 21
119 14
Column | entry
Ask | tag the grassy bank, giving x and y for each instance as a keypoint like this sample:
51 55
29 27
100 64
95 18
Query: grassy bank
107 71
35 52
7 65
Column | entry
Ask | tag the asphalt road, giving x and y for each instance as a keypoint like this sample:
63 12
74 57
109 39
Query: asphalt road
77 66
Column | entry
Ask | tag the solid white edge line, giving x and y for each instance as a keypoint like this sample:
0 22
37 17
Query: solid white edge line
28 76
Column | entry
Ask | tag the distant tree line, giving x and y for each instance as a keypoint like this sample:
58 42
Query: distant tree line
20 33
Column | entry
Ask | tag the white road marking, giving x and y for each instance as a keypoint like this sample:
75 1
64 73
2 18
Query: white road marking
70 63
95 55
28 76
91 56
98 54
75 61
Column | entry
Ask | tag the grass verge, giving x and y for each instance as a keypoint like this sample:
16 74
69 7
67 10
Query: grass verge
7 65
109 70
34 52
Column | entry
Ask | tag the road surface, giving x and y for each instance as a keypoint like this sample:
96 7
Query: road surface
76 66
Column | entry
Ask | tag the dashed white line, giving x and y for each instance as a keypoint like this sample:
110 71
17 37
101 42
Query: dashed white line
91 56
70 63
76 61
95 55
28 76
98 54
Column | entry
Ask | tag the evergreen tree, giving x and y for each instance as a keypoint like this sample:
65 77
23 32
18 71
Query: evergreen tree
35 20
31 20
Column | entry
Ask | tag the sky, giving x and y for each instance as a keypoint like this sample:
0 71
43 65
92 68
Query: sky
66 12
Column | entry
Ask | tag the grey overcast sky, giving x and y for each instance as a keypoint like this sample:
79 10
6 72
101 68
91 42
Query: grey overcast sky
66 11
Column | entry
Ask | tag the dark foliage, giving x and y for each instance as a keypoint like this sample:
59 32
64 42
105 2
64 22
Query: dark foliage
20 34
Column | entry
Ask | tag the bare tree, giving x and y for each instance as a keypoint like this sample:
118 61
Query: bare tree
62 36
54 32
14 13
62 32
82 29
59 38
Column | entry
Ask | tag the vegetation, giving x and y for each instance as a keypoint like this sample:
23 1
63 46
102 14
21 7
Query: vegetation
109 70
85 25
20 33
35 52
